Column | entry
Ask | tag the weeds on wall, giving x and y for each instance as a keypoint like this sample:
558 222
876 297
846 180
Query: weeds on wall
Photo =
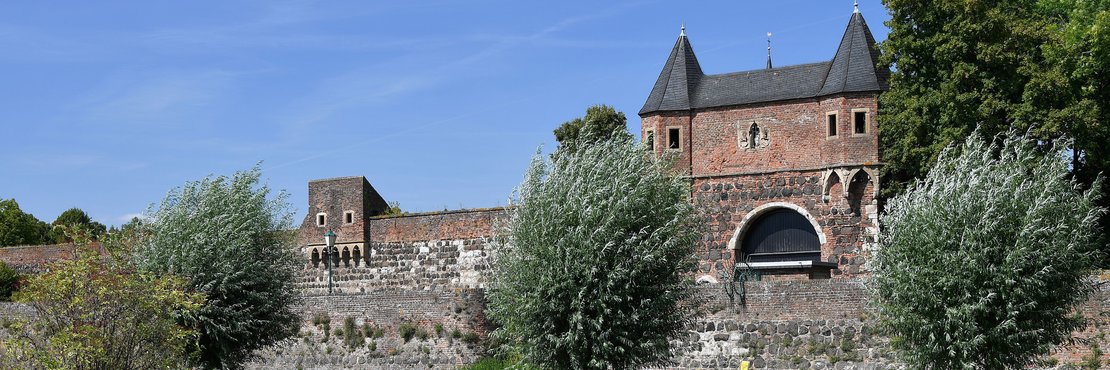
733 281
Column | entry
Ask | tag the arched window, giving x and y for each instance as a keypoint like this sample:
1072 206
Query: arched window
346 257
781 235
356 255
315 257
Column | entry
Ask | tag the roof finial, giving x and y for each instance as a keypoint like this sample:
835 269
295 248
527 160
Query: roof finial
768 50
855 5
683 29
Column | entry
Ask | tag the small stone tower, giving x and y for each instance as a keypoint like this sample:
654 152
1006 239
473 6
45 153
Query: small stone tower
342 205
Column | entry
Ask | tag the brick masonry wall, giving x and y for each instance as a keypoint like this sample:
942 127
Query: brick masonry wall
828 324
458 313
792 160
429 269
432 251
34 258
845 221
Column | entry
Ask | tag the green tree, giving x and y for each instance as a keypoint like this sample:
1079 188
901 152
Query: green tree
75 220
19 228
92 313
1039 66
226 236
9 279
600 123
593 269
982 263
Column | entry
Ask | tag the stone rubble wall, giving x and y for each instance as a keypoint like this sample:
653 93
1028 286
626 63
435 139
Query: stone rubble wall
458 314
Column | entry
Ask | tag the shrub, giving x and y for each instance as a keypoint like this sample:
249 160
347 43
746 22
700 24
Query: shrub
407 330
93 313
439 329
9 281
471 337
982 263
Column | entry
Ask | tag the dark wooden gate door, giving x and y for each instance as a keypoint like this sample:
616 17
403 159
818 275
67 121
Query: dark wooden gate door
781 235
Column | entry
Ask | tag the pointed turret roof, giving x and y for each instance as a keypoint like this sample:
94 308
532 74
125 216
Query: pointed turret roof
853 67
682 85
676 84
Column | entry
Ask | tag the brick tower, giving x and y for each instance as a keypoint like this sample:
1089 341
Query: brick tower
784 160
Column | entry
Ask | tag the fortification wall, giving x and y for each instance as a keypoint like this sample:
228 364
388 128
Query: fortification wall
431 251
426 271
29 259
844 215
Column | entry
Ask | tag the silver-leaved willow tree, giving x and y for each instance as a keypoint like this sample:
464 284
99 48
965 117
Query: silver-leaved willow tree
230 237
981 264
593 271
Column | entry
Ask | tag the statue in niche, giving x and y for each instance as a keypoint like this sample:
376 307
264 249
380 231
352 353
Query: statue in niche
753 132
754 137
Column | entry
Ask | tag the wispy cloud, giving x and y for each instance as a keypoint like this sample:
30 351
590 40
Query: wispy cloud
154 97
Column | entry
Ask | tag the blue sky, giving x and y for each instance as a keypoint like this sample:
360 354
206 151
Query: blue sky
108 105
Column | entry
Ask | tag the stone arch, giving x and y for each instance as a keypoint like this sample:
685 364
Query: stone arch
334 257
346 256
746 222
859 187
315 257
356 255
833 185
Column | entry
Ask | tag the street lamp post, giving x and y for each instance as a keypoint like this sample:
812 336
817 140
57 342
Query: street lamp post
329 243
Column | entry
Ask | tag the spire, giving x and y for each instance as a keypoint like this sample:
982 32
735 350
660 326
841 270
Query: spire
674 90
854 66
768 50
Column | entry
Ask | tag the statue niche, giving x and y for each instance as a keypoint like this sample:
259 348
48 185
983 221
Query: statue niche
753 136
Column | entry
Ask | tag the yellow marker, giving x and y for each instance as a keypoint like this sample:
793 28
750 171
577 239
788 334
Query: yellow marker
744 365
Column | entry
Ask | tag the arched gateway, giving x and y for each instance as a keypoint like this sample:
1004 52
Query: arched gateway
778 238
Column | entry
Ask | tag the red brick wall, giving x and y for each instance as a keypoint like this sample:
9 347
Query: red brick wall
448 225
33 258
730 178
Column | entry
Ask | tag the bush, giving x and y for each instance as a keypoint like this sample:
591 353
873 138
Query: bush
439 329
9 282
98 314
406 330
471 338
982 263
594 271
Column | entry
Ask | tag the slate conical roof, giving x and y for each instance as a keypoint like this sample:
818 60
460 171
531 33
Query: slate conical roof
675 87
683 86
853 67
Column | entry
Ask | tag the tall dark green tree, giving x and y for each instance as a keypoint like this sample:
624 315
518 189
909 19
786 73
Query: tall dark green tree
600 123
75 220
1039 66
20 228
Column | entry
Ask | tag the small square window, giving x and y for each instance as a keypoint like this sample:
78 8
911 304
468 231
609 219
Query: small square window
831 124
650 139
321 219
860 122
349 217
673 138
